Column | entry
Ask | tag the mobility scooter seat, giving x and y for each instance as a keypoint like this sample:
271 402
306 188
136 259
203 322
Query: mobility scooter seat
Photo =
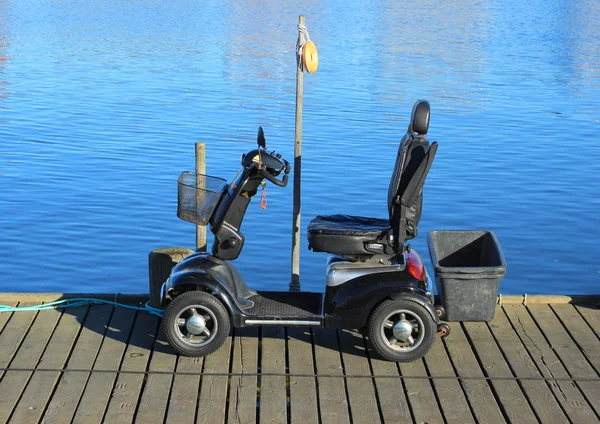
347 235
355 235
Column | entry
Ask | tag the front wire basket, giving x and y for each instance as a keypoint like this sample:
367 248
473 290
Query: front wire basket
197 196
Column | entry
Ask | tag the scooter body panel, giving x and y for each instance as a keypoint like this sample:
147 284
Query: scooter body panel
348 305
353 290
202 271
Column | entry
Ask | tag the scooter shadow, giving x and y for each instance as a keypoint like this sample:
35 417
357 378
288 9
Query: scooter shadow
139 334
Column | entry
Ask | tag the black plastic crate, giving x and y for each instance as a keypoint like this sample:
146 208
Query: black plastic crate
468 267
197 196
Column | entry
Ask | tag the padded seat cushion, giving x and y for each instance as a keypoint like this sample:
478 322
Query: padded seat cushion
346 235
348 225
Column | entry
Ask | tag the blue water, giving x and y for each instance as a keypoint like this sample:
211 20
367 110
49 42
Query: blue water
101 103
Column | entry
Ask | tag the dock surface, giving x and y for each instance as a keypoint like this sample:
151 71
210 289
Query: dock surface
535 363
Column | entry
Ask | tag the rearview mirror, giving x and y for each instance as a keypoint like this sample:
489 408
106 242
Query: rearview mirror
260 138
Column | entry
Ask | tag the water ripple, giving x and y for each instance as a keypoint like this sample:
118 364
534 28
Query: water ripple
101 104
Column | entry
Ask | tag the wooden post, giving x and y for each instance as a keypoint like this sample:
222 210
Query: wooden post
160 264
200 170
295 283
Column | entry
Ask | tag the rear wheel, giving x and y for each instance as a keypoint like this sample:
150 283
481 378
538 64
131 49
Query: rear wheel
401 330
196 324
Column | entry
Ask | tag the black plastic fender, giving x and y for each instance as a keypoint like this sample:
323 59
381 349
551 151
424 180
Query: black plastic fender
349 305
202 280
421 300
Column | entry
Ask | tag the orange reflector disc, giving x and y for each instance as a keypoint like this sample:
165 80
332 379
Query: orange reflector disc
310 57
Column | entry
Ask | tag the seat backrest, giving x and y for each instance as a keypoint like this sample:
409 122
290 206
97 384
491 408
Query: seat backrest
414 159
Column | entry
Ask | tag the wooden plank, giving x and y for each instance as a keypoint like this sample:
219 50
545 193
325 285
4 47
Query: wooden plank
514 401
420 394
273 394
568 352
14 382
333 404
9 343
184 393
70 387
155 396
529 299
213 389
303 390
126 393
452 400
242 390
12 335
4 318
33 402
570 398
97 393
361 392
539 393
578 329
392 397
591 314
479 393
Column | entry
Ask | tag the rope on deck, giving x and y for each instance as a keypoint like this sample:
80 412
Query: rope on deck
274 374
77 302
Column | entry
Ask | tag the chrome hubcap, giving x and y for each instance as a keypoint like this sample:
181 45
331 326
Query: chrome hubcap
402 330
196 325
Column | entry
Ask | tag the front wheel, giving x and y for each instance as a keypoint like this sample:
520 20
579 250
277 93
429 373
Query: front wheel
196 324
401 330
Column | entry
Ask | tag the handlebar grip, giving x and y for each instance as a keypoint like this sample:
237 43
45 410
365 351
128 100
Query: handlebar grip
281 183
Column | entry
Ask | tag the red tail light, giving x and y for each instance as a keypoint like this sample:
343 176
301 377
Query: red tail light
415 265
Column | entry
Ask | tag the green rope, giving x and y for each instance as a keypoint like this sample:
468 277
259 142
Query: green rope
77 302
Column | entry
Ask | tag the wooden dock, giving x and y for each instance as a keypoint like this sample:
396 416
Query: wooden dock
534 363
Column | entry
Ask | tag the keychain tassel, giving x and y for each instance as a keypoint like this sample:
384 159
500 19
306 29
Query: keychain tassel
263 198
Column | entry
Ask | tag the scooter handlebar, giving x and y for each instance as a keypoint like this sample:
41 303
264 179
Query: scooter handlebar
281 183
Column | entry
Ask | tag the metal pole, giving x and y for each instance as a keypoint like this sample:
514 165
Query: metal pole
201 182
295 283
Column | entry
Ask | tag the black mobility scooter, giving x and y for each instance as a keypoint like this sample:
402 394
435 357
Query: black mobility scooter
374 280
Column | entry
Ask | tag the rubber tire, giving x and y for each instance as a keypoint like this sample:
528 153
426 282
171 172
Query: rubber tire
376 321
186 300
